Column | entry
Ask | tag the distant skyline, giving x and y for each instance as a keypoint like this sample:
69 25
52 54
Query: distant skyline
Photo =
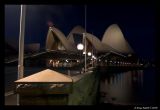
137 23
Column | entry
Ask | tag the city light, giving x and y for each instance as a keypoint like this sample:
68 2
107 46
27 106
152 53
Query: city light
129 55
89 54
84 52
50 61
93 57
80 46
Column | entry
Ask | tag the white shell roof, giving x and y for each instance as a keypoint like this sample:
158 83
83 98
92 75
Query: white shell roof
113 37
57 33
98 45
78 30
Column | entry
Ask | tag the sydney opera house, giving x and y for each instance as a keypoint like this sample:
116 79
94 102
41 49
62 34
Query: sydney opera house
113 44
112 41
64 49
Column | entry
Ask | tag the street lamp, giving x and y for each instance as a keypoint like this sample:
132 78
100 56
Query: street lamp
80 47
89 53
93 57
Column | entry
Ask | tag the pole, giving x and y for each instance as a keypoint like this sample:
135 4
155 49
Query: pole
85 52
92 52
21 45
85 41
21 42
80 60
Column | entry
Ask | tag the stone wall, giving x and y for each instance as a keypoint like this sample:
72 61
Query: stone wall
85 90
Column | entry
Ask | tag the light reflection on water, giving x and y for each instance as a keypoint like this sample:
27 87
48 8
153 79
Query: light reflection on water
132 87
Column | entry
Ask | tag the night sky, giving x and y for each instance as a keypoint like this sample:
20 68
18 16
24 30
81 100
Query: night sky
136 21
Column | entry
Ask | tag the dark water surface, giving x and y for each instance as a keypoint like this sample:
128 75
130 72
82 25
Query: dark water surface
137 87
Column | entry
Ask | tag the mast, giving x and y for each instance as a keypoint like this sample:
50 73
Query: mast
85 40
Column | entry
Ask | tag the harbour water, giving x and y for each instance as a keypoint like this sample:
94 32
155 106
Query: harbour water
137 87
